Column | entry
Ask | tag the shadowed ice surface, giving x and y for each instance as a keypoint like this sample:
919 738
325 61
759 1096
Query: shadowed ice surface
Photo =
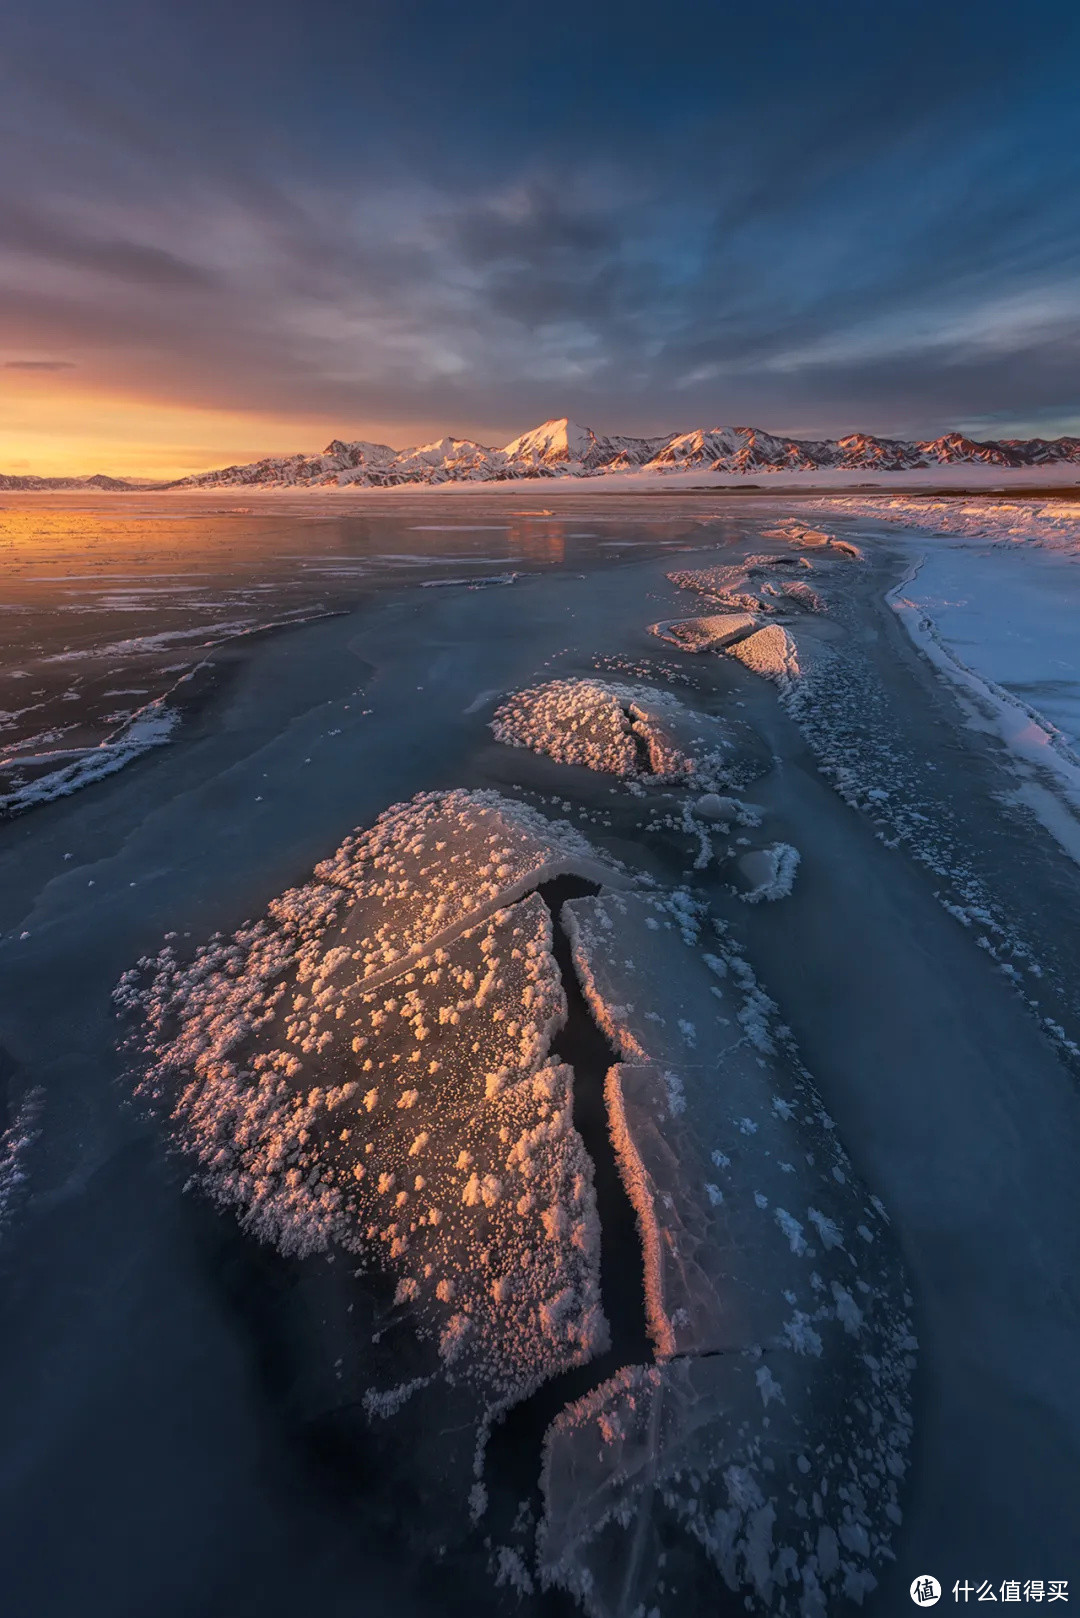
184 1406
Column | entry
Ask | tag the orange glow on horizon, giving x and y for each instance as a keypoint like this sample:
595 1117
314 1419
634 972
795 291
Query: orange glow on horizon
54 428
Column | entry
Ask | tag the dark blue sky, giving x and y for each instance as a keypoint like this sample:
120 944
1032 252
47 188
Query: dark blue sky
468 218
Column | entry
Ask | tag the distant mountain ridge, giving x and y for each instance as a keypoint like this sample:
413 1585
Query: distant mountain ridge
98 481
561 449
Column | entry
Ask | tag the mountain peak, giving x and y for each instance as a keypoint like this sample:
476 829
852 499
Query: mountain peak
562 448
558 440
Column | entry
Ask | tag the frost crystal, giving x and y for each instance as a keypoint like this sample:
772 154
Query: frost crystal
315 1062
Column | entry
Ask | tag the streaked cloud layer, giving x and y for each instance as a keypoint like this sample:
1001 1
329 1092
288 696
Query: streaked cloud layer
398 221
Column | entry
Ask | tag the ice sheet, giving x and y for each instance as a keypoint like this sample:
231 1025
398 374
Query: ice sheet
776 1420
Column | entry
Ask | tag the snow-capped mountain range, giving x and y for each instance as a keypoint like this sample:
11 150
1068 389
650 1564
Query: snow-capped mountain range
563 449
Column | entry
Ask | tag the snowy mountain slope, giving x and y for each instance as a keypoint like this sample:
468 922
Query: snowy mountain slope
562 448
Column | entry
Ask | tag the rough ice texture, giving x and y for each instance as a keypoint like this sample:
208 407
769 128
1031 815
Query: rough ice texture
704 634
367 1068
770 872
149 728
792 592
770 652
773 1429
797 533
15 1144
632 731
1053 524
759 586
574 722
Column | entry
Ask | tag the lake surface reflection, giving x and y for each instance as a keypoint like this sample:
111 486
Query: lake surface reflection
110 609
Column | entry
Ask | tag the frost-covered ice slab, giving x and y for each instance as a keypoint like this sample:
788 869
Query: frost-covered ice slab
725 580
770 652
428 867
763 1254
796 533
713 1127
703 634
770 872
415 1120
632 731
738 1464
685 746
574 722
792 592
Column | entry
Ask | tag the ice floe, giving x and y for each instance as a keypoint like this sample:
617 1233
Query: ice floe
772 1430
632 731
770 872
705 634
770 652
369 1070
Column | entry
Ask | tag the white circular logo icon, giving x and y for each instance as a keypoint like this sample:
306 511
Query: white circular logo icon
925 1590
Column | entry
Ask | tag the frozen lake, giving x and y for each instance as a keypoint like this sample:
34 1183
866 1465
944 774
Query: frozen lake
198 1419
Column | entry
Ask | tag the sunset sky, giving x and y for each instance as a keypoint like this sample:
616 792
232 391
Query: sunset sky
228 231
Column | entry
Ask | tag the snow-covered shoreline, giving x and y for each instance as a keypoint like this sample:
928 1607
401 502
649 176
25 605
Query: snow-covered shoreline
535 493
976 652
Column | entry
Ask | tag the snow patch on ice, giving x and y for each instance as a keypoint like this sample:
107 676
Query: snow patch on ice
150 727
770 652
771 871
1053 524
15 1144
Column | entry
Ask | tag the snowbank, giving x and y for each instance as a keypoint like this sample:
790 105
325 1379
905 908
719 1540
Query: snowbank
1053 524
1001 628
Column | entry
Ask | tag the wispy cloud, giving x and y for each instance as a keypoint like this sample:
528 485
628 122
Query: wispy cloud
366 218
